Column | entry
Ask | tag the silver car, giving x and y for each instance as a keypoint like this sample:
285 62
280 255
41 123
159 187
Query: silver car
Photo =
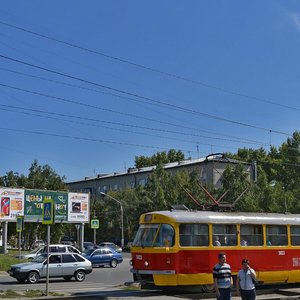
32 254
66 265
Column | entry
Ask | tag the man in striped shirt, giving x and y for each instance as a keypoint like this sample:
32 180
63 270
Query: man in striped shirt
222 278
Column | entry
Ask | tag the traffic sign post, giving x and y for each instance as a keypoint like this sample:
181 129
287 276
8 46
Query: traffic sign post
19 229
48 219
95 226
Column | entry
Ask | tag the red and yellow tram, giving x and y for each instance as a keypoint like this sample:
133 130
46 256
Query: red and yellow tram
180 248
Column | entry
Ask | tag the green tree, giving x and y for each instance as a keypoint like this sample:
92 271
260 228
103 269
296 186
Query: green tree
159 158
44 177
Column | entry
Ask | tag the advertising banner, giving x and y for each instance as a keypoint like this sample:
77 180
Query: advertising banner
11 203
78 207
34 205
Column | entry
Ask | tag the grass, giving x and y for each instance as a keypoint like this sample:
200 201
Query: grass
8 259
27 294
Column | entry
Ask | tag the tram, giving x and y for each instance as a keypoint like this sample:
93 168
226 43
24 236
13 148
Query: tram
180 248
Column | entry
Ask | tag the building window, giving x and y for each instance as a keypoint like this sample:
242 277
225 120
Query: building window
142 182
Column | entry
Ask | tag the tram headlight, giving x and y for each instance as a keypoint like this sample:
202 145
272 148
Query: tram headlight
146 263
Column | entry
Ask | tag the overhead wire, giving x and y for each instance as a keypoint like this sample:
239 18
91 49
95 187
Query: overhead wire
102 108
171 75
172 106
26 111
121 96
86 139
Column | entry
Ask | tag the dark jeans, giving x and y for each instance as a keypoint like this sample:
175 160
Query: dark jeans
225 294
248 294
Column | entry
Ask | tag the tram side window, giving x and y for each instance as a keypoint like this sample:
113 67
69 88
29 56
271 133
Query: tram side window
224 235
251 235
295 235
165 236
277 235
193 235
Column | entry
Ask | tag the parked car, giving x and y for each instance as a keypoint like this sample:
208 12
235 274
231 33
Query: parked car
32 254
111 245
88 245
103 257
67 243
66 265
61 248
38 243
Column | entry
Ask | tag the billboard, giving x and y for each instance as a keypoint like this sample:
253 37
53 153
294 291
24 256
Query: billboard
68 207
11 203
34 205
78 207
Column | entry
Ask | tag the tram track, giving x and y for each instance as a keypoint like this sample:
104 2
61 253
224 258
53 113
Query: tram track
270 292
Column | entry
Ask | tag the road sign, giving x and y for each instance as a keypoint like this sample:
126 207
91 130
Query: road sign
95 224
48 212
19 224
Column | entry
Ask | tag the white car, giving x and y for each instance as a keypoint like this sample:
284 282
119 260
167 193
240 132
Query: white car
32 254
66 265
52 249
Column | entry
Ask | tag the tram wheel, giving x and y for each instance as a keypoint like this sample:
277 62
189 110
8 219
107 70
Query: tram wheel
208 288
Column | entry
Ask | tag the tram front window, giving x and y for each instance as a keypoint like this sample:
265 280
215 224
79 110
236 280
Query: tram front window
145 235
165 236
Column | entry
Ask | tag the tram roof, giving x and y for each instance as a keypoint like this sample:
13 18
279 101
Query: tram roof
230 217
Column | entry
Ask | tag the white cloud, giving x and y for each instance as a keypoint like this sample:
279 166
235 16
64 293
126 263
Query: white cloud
295 17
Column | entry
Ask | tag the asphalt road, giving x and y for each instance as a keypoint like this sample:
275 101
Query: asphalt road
100 279
109 283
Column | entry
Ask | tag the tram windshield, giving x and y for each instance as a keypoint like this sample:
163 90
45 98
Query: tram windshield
157 235
145 235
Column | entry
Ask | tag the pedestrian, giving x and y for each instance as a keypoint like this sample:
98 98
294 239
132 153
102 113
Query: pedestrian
222 278
245 282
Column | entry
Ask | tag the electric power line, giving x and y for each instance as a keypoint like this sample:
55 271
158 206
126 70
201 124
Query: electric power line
171 106
171 75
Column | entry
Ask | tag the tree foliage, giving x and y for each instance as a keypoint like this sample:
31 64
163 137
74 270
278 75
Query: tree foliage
159 158
276 188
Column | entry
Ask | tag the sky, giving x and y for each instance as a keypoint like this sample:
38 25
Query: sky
86 86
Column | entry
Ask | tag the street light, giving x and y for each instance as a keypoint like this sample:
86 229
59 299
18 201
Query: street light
122 217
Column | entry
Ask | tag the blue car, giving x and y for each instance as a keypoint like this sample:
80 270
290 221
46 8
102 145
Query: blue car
103 257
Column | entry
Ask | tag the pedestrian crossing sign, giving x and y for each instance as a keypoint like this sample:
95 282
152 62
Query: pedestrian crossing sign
48 212
95 224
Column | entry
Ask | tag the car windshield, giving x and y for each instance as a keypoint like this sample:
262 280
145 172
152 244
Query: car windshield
34 250
40 258
89 251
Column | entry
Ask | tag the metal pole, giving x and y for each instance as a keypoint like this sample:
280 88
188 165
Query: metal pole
19 246
122 226
95 230
122 216
48 243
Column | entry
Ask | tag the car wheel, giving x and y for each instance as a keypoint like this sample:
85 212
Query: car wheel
67 278
113 263
21 280
33 277
79 275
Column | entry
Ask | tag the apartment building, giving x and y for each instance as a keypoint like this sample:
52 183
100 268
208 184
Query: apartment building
208 169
